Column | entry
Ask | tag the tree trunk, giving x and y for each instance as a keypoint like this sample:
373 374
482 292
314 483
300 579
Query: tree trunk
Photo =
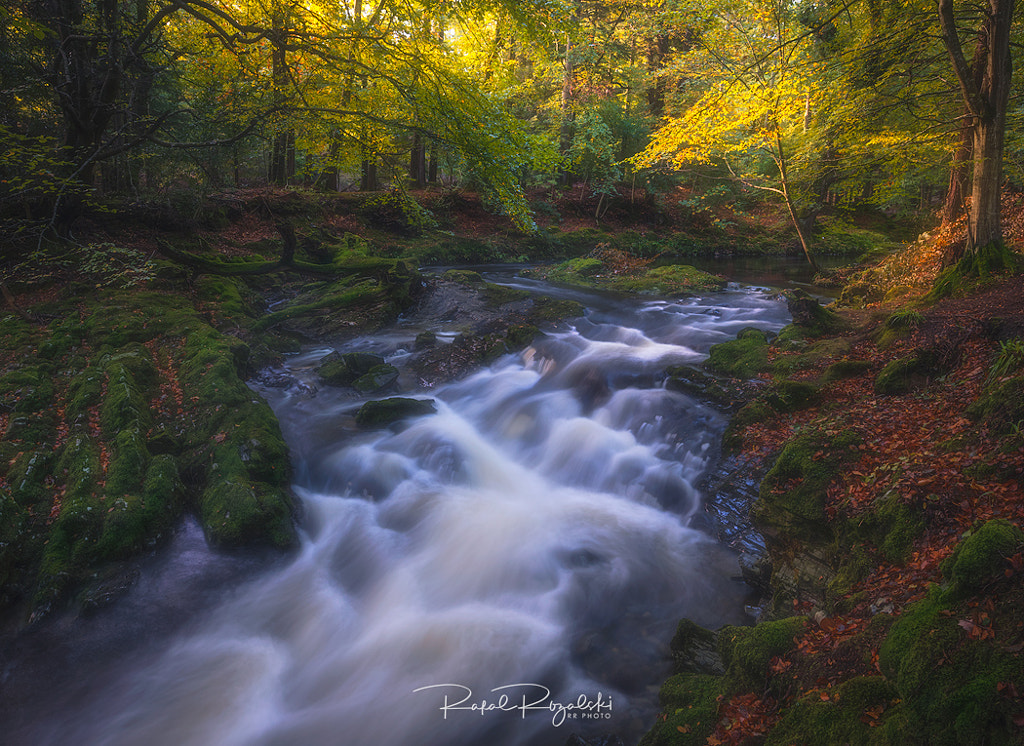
986 101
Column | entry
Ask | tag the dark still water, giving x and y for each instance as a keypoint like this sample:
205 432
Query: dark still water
508 570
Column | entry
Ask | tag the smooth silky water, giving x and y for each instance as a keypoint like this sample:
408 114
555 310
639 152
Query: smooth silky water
530 541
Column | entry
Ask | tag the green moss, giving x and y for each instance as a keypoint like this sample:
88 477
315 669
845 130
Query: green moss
344 369
675 279
1001 405
519 336
385 412
815 354
364 293
973 268
947 680
897 326
243 513
31 430
123 404
26 475
981 557
28 389
839 720
907 373
134 521
754 412
790 396
690 710
84 392
128 463
225 292
747 651
549 309
793 493
743 357
810 318
496 296
464 277
845 369
376 379
891 525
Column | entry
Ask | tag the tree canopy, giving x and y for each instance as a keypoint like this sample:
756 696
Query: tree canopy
824 104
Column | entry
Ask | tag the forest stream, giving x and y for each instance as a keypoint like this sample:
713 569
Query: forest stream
507 570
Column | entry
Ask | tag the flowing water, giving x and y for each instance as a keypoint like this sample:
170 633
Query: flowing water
508 570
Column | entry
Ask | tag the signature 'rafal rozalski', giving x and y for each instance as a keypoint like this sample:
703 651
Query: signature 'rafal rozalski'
521 698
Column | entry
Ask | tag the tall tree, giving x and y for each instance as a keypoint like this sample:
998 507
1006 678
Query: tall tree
986 92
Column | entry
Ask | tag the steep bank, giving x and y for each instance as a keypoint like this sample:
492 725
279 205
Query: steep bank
892 507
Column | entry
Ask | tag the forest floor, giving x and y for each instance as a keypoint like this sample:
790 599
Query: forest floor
894 584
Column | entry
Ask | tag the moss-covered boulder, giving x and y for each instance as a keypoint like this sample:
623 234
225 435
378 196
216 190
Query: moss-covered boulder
377 378
743 357
982 557
810 318
386 412
747 651
907 373
793 494
338 369
856 712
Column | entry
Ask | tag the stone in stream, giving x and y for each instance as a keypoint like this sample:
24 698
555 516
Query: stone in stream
385 412
338 369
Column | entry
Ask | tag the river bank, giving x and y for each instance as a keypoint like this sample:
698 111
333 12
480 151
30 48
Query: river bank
892 506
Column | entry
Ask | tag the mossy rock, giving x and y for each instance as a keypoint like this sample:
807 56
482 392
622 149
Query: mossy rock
464 277
376 379
845 369
908 373
128 463
385 412
816 353
842 719
26 390
949 681
519 336
790 396
228 294
793 493
747 651
982 557
550 309
424 340
751 413
496 296
890 525
338 369
810 318
135 521
124 405
674 279
25 476
743 357
690 711
694 649
1001 405
238 512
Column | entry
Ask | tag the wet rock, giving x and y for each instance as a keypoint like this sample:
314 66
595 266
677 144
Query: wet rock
338 369
695 650
386 412
376 379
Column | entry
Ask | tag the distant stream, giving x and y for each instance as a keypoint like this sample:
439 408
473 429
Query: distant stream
506 571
